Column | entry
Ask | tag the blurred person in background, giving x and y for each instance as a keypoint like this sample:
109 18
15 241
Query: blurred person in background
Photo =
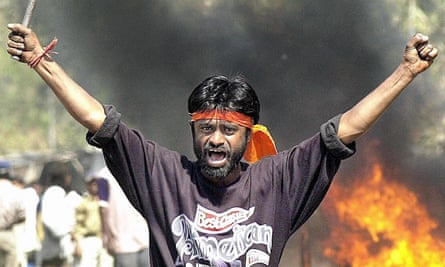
12 213
125 232
88 229
30 242
58 206
20 228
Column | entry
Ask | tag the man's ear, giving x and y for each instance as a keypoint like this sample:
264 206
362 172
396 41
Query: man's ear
248 135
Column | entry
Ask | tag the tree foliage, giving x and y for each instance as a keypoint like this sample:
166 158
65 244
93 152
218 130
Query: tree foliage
28 111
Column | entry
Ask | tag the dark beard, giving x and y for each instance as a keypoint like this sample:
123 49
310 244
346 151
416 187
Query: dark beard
220 172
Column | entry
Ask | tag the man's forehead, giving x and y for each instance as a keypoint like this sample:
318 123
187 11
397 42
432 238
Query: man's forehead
215 121
224 115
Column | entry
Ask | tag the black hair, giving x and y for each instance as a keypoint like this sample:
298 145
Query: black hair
220 92
58 174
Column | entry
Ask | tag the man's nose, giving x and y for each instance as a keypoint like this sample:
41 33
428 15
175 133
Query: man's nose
217 138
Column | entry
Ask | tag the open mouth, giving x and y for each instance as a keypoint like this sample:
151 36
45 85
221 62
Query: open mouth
216 158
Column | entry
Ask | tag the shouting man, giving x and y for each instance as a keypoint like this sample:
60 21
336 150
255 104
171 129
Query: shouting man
221 210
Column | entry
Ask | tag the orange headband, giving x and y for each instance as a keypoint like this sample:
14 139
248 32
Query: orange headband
261 143
232 116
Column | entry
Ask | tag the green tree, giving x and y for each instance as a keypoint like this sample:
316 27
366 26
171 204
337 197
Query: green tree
30 118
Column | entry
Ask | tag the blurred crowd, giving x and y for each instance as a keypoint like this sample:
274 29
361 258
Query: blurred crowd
51 225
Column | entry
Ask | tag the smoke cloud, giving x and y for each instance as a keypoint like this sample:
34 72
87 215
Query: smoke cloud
308 60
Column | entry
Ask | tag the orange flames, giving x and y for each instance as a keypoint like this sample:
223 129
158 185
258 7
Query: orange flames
376 222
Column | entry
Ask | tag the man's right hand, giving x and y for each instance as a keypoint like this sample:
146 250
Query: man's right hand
23 43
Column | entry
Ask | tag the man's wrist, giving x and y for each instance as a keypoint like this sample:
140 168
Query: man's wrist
44 54
407 71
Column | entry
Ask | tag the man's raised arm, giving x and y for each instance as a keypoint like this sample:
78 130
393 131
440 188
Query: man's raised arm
84 108
418 56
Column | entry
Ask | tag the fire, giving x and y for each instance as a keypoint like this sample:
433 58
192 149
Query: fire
376 222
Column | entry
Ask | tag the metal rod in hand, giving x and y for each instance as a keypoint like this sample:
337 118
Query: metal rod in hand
28 13
27 17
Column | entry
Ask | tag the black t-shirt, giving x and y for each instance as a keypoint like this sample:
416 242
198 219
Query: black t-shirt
195 223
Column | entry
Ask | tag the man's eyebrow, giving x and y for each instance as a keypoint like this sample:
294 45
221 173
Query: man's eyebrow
205 121
231 123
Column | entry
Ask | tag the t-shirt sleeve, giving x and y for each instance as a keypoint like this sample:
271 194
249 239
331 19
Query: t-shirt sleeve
333 144
123 151
108 129
141 167
310 169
